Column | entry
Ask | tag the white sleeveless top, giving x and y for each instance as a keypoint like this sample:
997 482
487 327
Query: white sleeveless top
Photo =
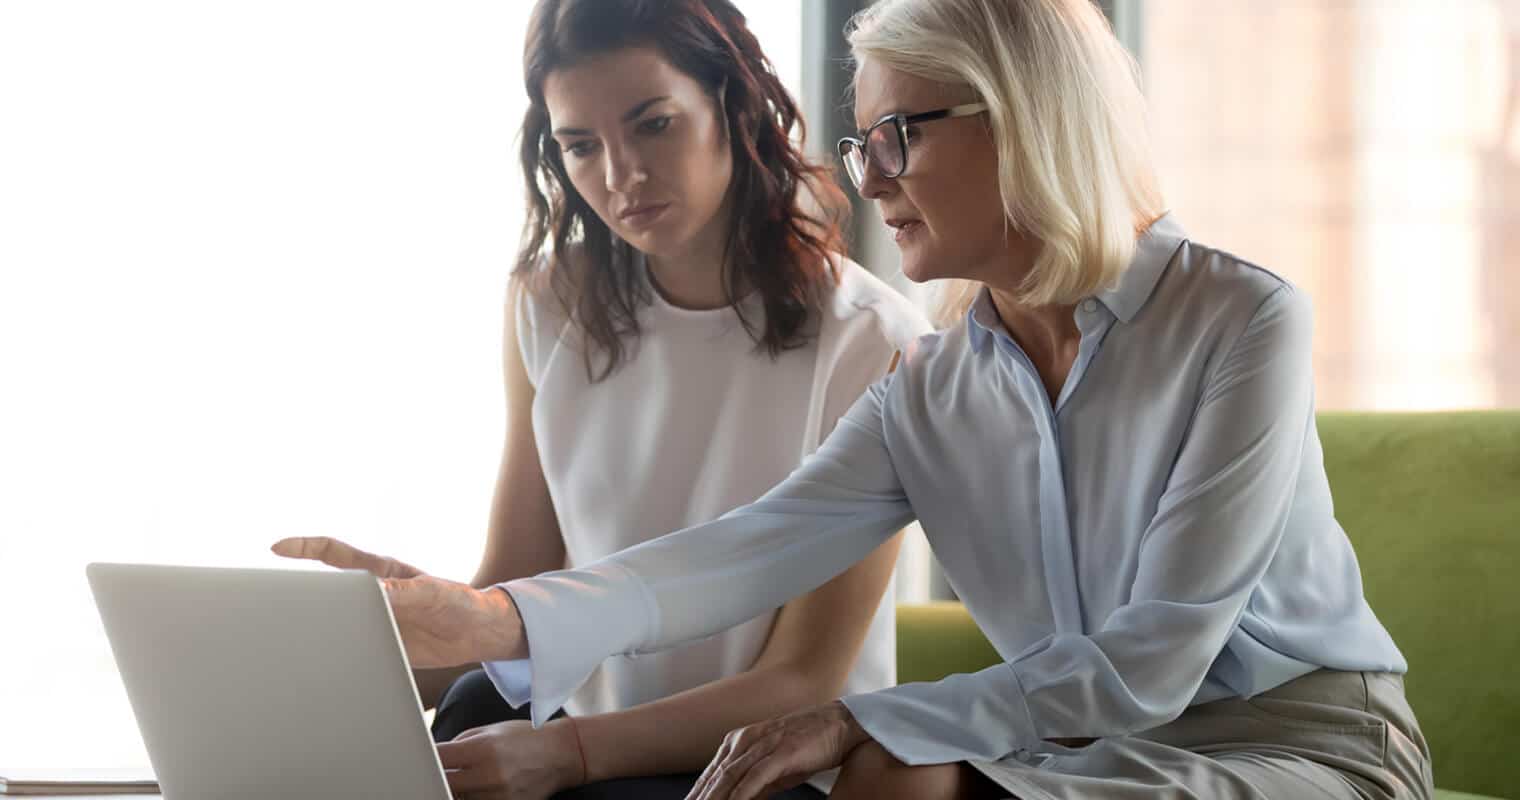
698 421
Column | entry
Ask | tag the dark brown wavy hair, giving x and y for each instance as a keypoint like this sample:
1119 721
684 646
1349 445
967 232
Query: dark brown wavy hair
776 247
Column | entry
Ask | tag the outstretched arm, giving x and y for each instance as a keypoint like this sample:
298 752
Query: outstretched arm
841 504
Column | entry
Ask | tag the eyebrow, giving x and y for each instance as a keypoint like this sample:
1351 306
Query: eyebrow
893 113
632 114
880 117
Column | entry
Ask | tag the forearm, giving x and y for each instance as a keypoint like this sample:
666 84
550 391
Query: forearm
681 733
842 503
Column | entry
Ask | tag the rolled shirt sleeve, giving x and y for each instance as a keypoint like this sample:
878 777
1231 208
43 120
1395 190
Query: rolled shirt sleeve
1216 528
837 507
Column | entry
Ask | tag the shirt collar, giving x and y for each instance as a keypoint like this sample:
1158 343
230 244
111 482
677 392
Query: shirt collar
982 320
1153 251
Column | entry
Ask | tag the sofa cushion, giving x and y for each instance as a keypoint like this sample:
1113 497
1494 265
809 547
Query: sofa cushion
1432 505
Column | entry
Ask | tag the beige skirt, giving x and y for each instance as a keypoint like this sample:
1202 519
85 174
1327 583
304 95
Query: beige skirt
1326 736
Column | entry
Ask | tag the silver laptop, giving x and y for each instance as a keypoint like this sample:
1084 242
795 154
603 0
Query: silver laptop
267 683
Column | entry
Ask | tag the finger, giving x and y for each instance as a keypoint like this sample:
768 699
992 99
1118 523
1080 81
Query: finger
293 547
761 779
460 755
400 569
730 774
325 549
340 554
699 789
472 779
712 767
343 555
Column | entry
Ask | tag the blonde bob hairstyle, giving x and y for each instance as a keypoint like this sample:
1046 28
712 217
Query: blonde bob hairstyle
1067 118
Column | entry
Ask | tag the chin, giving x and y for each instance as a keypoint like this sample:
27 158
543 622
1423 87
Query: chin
920 268
660 241
650 243
915 272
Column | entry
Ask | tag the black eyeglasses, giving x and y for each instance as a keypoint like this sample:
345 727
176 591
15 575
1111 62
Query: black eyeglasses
885 143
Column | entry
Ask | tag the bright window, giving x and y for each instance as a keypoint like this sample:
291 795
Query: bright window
253 259
1369 151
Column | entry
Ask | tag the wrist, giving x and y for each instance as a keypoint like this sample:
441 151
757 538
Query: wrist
852 735
569 762
508 639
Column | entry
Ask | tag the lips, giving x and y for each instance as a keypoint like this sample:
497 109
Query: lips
642 214
904 227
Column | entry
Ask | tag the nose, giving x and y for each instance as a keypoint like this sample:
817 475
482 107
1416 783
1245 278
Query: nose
872 185
625 168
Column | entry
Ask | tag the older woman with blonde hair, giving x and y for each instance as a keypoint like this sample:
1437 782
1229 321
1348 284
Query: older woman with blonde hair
1111 448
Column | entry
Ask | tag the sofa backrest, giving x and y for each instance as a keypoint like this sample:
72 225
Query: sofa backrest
1431 503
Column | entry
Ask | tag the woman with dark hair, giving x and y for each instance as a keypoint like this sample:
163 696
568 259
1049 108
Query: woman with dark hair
683 329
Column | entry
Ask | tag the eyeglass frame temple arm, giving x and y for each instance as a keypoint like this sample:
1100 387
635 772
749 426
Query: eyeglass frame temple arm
964 110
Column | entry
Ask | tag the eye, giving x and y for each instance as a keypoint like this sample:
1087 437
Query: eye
654 124
912 134
580 148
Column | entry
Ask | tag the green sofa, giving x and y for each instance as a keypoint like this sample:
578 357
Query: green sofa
1432 504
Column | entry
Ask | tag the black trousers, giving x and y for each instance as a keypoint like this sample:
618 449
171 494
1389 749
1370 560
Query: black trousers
472 701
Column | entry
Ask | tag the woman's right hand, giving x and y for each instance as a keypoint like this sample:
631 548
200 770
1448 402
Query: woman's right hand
442 623
513 761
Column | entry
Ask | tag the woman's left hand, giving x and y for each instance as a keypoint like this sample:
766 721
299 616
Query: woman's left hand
512 761
776 755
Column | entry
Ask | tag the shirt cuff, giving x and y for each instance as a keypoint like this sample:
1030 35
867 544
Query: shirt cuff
512 679
571 629
979 716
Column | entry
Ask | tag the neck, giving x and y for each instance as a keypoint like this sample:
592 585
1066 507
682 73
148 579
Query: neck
691 281
1044 332
692 277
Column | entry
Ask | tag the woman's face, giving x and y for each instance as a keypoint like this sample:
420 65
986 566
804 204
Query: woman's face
646 146
945 210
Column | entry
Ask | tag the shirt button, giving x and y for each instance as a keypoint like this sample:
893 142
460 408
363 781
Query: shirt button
1089 305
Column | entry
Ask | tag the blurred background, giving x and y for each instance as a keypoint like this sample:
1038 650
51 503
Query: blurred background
252 261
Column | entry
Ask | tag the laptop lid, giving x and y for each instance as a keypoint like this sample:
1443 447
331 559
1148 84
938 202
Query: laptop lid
251 683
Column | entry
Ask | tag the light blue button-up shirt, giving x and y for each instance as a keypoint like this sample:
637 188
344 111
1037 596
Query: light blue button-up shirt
1162 535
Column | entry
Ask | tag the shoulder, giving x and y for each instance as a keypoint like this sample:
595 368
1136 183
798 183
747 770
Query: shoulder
1217 292
931 356
538 314
865 305
1212 308
539 295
